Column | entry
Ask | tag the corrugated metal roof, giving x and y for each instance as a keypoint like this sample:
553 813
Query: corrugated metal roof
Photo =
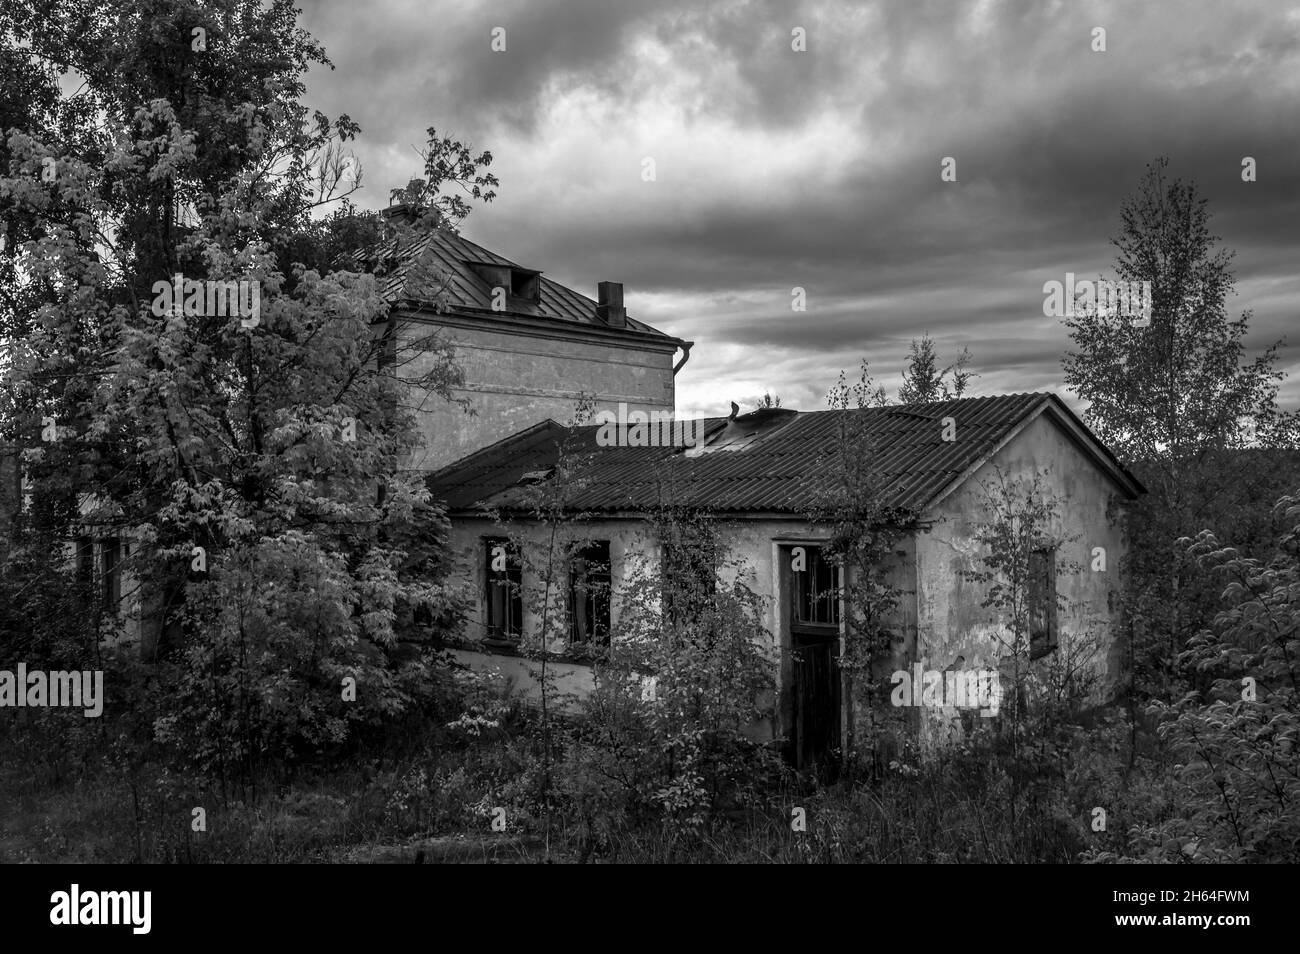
786 469
465 288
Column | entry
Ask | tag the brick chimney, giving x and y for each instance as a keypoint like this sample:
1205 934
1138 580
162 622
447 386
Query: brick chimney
609 304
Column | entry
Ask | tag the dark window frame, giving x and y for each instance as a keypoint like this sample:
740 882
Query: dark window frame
526 285
502 594
590 583
806 591
1040 602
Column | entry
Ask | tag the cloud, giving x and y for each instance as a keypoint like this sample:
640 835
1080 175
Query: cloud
777 168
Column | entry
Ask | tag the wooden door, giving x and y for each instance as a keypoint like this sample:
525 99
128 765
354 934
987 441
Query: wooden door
816 692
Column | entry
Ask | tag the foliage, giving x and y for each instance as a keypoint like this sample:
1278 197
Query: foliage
1179 403
1019 518
252 459
924 382
863 535
688 678
1174 389
1237 742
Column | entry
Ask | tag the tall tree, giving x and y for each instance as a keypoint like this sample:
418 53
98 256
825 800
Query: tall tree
852 504
1180 403
1175 389
179 386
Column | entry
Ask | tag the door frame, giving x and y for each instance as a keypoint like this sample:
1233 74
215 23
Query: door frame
782 618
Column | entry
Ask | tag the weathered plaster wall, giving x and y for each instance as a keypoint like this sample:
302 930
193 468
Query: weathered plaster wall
951 621
515 379
522 676
628 542
755 542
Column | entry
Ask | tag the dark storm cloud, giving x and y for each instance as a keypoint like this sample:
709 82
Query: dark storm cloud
821 169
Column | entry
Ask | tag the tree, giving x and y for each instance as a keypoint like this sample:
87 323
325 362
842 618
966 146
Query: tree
1180 405
864 530
252 455
684 669
689 673
547 555
1170 392
863 393
364 240
1234 743
1022 543
923 381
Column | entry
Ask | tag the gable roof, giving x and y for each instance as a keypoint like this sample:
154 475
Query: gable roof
768 461
468 291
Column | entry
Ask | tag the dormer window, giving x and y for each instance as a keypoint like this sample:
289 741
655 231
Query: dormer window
521 284
526 285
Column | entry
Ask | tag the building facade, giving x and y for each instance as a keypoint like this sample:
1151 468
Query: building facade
529 348
760 477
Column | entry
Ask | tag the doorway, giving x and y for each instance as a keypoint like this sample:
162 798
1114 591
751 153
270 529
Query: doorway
813 621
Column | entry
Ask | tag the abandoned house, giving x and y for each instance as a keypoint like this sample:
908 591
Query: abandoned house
760 475
529 349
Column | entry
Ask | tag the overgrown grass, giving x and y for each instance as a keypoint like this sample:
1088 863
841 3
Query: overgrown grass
79 802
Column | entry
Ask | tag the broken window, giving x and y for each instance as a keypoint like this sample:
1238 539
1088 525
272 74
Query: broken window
1041 602
504 596
589 586
815 598
526 284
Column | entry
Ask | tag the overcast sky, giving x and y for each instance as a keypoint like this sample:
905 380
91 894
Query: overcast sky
821 169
